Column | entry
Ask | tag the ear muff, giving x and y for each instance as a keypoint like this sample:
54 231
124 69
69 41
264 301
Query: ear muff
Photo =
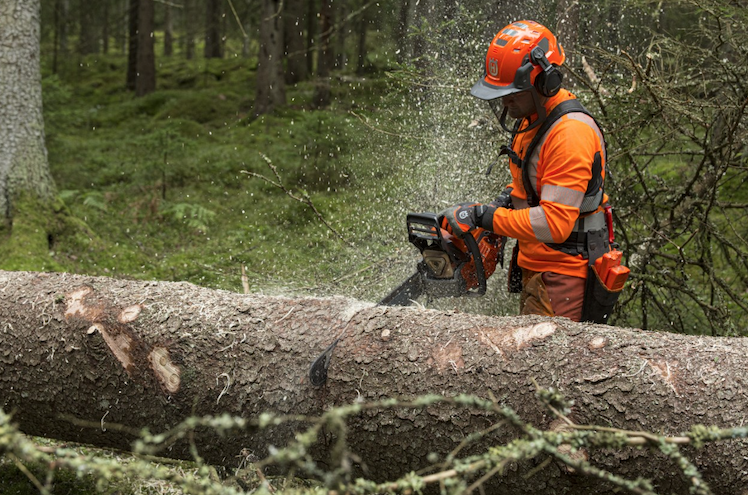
549 81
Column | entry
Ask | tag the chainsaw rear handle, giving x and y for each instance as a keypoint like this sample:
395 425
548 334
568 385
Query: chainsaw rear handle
424 230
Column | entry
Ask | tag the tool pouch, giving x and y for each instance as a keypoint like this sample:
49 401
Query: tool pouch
598 299
514 272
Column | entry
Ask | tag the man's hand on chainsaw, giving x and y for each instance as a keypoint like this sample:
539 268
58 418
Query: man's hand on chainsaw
504 200
464 217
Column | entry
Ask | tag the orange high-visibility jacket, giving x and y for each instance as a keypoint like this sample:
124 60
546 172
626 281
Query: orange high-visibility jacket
561 169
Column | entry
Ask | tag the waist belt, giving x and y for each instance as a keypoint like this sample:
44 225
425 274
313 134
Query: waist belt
577 241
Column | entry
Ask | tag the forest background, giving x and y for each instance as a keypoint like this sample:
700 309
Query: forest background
230 172
383 126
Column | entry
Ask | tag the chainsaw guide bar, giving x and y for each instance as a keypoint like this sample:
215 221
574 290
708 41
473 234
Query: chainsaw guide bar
450 267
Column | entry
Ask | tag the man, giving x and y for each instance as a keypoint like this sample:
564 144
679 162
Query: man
555 204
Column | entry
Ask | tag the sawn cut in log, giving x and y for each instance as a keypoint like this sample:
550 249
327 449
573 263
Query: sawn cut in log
151 354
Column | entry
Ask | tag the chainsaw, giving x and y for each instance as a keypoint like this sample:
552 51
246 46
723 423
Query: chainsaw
450 267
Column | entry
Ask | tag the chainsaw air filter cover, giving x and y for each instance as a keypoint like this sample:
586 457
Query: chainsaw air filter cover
438 263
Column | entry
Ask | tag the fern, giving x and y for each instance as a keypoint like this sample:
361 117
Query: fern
93 199
194 216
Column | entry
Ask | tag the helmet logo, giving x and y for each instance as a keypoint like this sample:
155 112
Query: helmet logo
493 67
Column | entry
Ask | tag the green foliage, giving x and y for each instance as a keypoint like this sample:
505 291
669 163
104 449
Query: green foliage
455 474
93 199
675 117
194 216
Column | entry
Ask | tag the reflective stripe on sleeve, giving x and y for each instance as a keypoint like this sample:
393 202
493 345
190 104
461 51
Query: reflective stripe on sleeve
539 224
562 195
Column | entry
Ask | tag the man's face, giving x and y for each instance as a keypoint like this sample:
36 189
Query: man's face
519 105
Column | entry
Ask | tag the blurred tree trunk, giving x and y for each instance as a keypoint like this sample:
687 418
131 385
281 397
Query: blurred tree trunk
62 8
213 46
151 354
168 31
614 32
189 29
24 169
419 42
325 56
145 80
105 27
88 41
311 33
361 53
294 20
132 44
340 33
567 28
122 25
271 90
402 32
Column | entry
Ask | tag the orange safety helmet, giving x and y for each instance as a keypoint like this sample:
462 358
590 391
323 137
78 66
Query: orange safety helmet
522 56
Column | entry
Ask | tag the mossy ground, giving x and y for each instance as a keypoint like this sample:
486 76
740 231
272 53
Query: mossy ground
159 188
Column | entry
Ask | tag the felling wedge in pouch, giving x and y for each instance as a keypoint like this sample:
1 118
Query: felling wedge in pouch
450 267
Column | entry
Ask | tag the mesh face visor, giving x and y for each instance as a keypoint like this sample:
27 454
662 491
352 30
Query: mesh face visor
496 107
500 111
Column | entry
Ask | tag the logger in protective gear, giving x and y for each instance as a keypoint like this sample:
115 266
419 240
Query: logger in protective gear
557 161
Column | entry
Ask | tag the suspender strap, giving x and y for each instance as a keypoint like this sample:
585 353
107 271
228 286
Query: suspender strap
559 111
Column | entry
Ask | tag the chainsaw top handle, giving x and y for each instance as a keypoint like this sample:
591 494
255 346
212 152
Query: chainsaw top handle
425 231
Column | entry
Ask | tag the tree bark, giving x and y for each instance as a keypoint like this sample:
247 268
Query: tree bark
271 88
567 30
311 33
213 47
325 56
105 28
60 32
23 155
296 53
145 80
168 33
189 29
361 52
342 30
88 41
151 354
132 44
401 33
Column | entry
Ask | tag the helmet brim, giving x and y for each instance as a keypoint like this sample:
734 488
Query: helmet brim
486 91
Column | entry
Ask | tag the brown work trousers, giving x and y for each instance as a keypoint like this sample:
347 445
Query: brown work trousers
551 294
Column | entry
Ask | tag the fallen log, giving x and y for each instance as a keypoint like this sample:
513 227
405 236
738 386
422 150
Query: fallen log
150 354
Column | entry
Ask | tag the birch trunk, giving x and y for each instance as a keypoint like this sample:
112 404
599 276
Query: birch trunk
154 353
